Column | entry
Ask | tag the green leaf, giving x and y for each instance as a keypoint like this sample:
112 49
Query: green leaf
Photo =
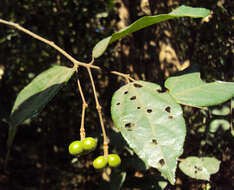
221 110
199 168
189 89
34 97
152 124
219 124
182 11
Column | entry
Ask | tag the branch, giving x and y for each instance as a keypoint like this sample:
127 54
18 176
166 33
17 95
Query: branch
50 43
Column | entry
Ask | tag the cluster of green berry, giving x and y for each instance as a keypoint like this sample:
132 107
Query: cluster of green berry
113 160
89 144
80 147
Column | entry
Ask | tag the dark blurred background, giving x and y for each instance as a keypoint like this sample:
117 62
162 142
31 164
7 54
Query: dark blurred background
39 158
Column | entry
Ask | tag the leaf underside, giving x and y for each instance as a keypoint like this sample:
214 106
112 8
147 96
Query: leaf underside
189 89
199 168
34 97
152 124
182 11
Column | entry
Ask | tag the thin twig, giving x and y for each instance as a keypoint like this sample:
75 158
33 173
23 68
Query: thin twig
126 76
92 61
76 64
199 107
50 43
84 106
99 110
180 159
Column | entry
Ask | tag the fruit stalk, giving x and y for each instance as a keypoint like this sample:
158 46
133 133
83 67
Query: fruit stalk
84 106
99 110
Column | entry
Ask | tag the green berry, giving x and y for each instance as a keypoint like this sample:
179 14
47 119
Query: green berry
89 144
76 147
114 160
100 162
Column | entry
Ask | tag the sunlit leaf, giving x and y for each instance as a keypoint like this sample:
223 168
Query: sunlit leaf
191 12
34 97
219 124
182 11
221 110
152 124
189 89
200 168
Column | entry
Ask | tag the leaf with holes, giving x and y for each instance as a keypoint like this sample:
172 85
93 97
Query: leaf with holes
152 124
182 11
34 97
200 168
189 89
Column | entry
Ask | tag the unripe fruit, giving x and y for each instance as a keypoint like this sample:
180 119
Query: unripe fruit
114 160
89 144
76 147
100 162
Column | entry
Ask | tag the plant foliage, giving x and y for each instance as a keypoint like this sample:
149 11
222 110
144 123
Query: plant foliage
36 95
182 11
150 120
190 90
199 168
152 124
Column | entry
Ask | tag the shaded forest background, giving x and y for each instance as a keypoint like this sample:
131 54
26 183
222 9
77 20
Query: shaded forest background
39 158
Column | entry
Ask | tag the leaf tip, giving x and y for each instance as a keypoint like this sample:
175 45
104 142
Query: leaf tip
195 12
